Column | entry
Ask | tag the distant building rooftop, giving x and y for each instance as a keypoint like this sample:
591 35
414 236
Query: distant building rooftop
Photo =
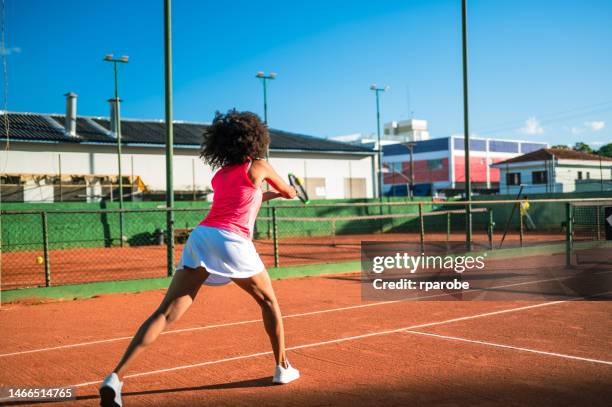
38 127
558 153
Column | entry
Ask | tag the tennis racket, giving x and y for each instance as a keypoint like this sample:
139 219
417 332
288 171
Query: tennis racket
296 182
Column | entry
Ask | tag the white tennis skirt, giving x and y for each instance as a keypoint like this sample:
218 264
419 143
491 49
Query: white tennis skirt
224 254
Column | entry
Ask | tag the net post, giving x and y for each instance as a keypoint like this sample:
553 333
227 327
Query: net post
490 226
598 221
45 236
268 215
568 234
421 228
121 228
521 226
448 226
275 237
381 222
333 226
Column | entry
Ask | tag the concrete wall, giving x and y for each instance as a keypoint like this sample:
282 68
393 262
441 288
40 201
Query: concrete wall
149 164
334 168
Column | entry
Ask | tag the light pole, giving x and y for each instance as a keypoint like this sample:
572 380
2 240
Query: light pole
169 137
121 60
377 91
466 129
410 146
264 80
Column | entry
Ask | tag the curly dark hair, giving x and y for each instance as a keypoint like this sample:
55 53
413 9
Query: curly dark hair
234 138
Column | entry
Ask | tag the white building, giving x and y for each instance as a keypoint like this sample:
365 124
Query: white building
393 132
82 153
555 170
406 130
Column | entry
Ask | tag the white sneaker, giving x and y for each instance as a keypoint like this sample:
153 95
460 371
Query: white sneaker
286 375
110 391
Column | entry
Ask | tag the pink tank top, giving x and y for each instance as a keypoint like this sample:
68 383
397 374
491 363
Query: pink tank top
236 201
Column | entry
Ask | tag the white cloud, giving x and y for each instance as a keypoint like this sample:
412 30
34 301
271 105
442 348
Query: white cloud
595 125
9 51
577 130
532 126
597 143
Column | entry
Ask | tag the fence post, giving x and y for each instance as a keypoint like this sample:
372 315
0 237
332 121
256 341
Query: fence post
598 221
170 242
521 225
45 236
448 226
268 225
421 228
333 222
569 228
490 227
275 237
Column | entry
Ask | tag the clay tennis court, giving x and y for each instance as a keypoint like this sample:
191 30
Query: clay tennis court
350 352
85 265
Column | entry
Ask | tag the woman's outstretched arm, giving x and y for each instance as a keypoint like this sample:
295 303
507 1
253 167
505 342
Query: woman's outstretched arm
269 195
262 171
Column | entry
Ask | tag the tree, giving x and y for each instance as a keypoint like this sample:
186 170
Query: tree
583 147
561 147
606 150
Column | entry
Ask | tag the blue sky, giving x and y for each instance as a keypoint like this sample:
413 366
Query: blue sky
539 70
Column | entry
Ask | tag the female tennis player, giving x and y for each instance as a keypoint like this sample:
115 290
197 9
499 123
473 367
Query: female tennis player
220 250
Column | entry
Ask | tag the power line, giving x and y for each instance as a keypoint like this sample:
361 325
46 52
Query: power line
550 117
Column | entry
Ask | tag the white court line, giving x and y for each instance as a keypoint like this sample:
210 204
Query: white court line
499 345
197 328
251 321
331 341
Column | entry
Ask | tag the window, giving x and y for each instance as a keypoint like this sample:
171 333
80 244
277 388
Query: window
315 187
539 177
579 174
513 178
394 167
588 175
355 188
434 165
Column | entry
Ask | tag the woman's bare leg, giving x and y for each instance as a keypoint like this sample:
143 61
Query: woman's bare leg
260 288
180 295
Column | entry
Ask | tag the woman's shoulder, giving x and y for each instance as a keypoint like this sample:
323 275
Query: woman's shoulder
260 163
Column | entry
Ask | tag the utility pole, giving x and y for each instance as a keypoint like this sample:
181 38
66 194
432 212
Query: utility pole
117 130
169 136
377 91
466 130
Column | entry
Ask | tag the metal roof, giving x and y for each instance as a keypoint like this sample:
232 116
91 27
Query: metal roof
558 153
38 127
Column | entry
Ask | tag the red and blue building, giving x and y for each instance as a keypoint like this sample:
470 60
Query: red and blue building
439 164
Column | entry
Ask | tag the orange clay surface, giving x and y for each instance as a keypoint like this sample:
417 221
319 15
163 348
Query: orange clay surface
350 352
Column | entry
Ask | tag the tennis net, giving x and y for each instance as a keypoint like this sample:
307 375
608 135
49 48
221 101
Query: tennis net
306 240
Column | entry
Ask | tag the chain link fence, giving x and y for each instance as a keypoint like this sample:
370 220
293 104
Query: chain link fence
59 247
